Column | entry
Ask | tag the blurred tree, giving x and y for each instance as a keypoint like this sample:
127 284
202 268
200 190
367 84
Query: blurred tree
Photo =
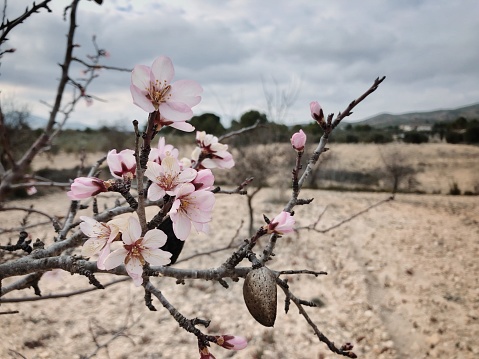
208 122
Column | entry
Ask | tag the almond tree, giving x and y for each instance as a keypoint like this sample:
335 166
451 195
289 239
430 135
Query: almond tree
182 193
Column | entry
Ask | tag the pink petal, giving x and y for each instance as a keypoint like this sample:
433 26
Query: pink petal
181 225
163 70
156 257
187 175
92 246
153 170
155 192
175 111
115 258
186 91
140 78
154 238
135 270
182 126
141 100
133 231
100 263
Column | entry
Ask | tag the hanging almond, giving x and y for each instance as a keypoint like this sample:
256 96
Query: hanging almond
260 295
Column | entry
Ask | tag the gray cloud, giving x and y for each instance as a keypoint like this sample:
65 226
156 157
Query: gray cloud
427 49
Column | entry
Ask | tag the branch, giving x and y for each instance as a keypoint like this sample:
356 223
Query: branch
313 226
344 350
60 295
10 25
238 132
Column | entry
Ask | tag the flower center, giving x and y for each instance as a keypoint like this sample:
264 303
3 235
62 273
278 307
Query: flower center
159 92
134 251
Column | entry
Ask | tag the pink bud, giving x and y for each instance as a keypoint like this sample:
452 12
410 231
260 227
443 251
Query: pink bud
298 140
282 223
231 342
84 187
122 164
316 111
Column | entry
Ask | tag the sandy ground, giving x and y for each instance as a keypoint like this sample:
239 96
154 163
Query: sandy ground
403 283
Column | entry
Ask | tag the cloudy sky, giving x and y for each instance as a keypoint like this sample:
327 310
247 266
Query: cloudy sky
329 51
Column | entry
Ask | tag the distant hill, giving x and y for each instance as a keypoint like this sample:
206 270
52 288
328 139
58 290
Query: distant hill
421 118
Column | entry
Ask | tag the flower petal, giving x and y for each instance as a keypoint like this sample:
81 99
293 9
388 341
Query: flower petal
154 238
181 225
133 231
175 111
92 247
140 78
156 257
186 91
115 258
135 270
162 70
141 100
155 192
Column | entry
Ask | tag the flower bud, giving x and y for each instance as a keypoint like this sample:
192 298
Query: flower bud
84 187
317 112
298 140
231 342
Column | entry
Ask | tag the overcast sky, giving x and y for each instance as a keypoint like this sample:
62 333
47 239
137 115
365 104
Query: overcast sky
331 50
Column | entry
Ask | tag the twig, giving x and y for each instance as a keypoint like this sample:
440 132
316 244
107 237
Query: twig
60 295
345 350
238 132
339 224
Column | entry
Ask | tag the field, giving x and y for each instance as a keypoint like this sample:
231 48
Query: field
403 278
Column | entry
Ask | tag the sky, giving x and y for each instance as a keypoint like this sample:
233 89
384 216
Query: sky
238 50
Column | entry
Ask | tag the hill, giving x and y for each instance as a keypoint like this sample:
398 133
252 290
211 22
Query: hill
422 118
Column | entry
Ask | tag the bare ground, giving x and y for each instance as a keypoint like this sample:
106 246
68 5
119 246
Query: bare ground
402 283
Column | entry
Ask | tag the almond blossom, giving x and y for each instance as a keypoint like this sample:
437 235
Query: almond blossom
157 154
123 164
101 235
210 153
298 140
191 207
281 224
166 177
137 250
84 187
152 90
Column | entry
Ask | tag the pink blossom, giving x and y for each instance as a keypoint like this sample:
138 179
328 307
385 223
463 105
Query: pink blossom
191 207
152 90
157 154
204 179
101 235
298 140
231 342
210 153
84 187
137 250
281 224
316 111
166 177
123 164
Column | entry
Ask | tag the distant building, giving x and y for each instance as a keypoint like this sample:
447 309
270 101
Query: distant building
418 128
